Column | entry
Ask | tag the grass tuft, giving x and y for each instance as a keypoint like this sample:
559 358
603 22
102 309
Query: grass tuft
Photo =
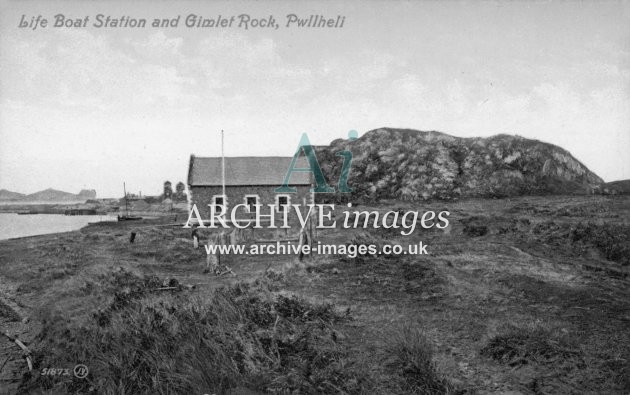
411 357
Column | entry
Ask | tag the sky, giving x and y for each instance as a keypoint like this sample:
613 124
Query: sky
88 107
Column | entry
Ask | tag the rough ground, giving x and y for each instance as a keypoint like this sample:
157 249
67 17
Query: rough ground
13 321
529 295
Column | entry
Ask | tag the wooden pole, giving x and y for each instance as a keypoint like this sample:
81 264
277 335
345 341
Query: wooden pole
27 352
125 192
222 169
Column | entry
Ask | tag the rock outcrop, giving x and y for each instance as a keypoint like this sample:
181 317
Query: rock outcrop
87 194
415 165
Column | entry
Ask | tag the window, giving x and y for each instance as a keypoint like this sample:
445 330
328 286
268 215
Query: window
282 203
251 201
220 203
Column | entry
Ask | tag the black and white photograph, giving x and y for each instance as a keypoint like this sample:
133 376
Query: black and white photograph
314 197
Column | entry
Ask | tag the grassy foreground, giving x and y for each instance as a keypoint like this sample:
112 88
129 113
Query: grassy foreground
243 338
527 295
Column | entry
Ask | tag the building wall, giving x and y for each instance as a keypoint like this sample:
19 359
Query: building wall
202 197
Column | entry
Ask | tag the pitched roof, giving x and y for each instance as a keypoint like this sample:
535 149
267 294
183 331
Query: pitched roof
245 170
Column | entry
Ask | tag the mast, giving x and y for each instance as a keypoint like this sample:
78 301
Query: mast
222 168
125 190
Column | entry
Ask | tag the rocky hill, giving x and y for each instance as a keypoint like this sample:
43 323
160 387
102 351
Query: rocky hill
416 165
86 194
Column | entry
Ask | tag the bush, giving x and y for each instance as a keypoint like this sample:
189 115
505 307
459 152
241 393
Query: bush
8 313
613 240
475 226
367 239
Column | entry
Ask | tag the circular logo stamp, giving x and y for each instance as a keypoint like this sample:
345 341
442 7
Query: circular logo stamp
81 371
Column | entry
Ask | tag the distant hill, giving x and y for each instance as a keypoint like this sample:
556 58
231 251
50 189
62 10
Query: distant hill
47 195
51 195
621 187
415 165
8 195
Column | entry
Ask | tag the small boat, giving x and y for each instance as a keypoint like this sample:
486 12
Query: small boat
80 211
127 217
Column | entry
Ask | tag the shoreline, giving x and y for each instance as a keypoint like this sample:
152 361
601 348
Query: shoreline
148 219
